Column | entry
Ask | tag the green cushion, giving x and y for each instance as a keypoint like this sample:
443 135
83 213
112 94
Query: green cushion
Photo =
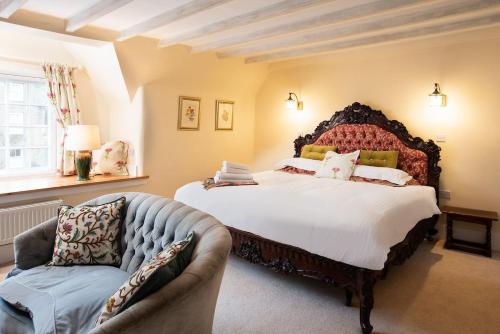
315 152
379 158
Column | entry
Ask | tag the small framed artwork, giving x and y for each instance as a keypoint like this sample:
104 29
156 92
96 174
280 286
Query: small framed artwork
224 114
189 113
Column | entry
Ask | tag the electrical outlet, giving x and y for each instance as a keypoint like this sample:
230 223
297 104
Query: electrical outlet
445 194
441 138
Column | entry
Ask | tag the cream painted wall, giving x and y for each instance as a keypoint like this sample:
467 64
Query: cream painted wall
397 79
172 157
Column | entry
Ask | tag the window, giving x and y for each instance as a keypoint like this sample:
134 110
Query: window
27 127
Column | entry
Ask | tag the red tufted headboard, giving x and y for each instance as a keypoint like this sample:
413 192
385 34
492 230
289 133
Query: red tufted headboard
351 137
360 127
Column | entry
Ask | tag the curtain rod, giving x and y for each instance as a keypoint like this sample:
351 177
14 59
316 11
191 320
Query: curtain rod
30 62
20 75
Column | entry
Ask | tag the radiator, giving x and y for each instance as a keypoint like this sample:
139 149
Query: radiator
17 219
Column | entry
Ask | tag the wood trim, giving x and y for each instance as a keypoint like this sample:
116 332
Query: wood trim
173 15
292 260
94 12
435 29
356 12
9 7
28 185
362 114
335 32
272 11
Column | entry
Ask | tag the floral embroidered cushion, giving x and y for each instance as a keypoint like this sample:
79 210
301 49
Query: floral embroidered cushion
152 276
338 166
88 234
111 159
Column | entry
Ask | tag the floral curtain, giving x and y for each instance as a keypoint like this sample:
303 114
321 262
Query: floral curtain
62 95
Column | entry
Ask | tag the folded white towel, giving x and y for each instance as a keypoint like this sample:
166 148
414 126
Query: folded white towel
234 170
232 176
217 180
226 164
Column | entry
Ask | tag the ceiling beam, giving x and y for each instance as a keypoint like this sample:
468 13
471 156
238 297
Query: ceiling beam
180 12
355 12
351 30
477 22
93 13
264 13
8 7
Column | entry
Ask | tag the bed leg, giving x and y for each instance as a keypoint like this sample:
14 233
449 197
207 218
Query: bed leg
430 234
365 282
348 297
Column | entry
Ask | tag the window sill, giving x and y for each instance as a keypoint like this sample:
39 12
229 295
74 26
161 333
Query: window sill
26 188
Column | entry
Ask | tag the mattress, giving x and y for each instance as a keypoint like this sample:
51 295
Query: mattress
352 222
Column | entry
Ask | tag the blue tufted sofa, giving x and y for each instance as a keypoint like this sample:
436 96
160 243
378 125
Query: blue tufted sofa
185 305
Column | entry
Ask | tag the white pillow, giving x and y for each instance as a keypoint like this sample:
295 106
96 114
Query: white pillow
306 164
337 166
392 175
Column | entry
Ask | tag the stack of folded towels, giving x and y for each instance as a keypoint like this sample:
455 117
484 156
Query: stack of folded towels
233 173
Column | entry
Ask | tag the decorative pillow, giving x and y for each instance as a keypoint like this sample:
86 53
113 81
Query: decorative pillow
391 175
300 163
152 276
88 234
379 158
315 152
111 159
338 166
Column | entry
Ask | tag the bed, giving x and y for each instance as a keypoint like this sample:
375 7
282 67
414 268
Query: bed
343 233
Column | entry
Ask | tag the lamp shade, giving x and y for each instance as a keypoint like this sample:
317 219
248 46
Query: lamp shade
82 138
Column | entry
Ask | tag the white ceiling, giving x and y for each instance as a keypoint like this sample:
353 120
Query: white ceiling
251 40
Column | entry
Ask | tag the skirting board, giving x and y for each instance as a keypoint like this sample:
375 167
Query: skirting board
6 254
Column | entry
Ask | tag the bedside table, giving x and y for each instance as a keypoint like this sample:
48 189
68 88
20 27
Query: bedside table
479 217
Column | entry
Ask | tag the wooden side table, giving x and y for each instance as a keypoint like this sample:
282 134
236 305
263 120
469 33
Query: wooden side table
485 218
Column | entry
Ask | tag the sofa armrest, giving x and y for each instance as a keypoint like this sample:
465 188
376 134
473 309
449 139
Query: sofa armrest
35 246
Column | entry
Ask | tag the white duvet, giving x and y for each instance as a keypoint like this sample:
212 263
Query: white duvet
352 222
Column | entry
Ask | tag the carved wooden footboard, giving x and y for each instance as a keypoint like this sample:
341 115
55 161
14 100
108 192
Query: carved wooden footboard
296 261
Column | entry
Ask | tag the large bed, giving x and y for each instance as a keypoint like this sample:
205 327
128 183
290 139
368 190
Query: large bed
344 233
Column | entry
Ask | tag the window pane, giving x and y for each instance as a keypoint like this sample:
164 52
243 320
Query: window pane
37 157
16 158
16 137
37 137
2 159
17 91
3 115
36 115
2 91
3 131
38 93
16 114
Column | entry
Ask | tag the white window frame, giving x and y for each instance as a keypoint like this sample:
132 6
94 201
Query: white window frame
51 129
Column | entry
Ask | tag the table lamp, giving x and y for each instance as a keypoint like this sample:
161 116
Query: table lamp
82 139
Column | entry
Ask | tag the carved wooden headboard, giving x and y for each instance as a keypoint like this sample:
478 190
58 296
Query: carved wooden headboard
360 127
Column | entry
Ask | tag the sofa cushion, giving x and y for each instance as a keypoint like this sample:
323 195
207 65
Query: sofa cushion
61 300
111 158
89 234
152 276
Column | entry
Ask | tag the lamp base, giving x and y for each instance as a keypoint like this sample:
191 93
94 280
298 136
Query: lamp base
83 162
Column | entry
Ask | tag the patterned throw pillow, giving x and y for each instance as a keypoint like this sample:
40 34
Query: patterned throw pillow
88 234
152 276
338 166
111 159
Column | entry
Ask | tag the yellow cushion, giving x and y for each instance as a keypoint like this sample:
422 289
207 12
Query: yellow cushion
315 152
379 158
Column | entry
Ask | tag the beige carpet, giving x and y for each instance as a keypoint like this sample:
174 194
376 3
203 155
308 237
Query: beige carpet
435 291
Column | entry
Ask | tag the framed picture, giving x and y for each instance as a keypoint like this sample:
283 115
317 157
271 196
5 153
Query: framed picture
224 114
189 113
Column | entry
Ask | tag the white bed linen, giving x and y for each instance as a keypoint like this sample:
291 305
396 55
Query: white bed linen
351 222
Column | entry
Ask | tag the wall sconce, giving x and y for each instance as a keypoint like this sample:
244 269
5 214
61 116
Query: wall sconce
437 99
294 104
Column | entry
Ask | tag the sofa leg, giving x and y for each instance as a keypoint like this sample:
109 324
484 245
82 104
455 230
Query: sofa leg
348 297
365 282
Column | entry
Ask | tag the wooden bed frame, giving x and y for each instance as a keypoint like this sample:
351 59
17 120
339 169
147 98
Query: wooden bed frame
355 280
